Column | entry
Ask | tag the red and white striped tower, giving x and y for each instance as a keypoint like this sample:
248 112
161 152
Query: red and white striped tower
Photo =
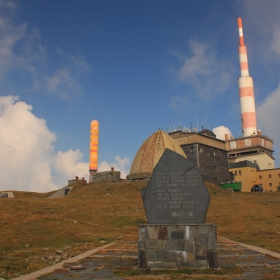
246 89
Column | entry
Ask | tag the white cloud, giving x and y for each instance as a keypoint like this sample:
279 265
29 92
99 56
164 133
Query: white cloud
21 51
69 164
28 161
65 81
120 164
207 74
220 132
268 115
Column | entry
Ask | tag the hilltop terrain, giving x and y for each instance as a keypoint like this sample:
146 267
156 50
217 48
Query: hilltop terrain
33 228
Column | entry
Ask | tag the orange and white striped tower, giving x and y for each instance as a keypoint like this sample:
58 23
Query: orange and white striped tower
246 89
93 149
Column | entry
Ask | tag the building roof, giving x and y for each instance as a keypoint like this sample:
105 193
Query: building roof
244 163
150 152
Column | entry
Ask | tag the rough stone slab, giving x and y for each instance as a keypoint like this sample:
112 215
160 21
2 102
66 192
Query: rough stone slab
142 260
175 245
155 255
200 249
189 246
201 230
152 232
182 251
170 256
153 243
201 264
177 234
202 239
159 264
142 232
176 193
141 245
212 257
212 239
185 264
181 256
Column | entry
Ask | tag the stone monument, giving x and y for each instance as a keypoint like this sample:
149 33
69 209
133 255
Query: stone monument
176 202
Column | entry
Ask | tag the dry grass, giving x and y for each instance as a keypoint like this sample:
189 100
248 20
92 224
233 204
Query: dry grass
105 211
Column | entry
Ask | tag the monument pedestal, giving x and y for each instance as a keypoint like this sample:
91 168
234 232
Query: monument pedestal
177 246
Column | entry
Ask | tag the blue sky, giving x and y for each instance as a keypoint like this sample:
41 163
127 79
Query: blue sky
135 66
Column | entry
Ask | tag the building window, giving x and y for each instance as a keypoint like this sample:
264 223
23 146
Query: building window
270 184
260 176
191 150
235 172
214 153
269 176
278 174
240 172
201 150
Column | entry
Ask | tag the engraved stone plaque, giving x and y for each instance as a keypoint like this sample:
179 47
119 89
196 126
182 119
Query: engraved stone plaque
177 234
176 193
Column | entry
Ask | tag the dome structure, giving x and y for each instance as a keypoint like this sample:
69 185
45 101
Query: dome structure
149 154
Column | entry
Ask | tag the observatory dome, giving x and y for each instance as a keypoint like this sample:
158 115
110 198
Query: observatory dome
149 154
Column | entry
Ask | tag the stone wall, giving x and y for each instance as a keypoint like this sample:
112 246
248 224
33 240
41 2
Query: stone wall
113 176
177 246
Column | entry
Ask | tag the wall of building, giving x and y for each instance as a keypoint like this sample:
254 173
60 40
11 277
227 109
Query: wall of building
262 159
260 141
113 176
207 152
270 179
246 175
249 176
184 138
212 162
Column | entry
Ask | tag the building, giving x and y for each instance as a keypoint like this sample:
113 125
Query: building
250 174
207 152
149 154
255 148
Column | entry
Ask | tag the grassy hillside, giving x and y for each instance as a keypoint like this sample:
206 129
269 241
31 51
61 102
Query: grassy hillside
32 226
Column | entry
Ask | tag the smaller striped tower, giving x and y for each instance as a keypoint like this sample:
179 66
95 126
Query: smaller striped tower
93 149
246 89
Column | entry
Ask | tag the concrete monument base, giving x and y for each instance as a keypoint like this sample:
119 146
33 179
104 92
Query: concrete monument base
177 246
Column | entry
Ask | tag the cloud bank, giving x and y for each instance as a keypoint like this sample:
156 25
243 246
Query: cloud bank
28 161
220 132
268 115
22 51
201 69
